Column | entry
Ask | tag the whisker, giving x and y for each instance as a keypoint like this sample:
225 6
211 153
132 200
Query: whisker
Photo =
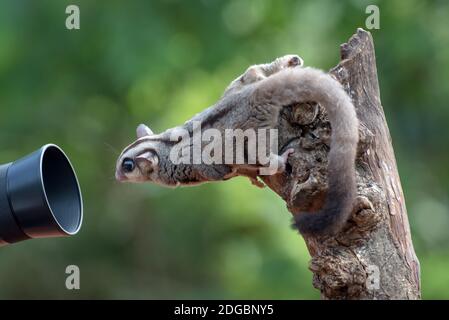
112 148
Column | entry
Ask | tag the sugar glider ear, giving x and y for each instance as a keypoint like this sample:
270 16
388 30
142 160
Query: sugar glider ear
142 131
147 160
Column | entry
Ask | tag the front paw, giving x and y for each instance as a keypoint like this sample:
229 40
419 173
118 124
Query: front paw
276 163
283 158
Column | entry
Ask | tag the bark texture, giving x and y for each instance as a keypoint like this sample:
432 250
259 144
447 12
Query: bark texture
373 256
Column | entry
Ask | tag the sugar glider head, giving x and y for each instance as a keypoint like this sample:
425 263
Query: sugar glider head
139 162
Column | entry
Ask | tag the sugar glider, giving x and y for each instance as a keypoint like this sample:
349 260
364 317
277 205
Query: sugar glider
255 100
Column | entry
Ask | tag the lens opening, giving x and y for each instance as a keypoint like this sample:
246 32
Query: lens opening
61 189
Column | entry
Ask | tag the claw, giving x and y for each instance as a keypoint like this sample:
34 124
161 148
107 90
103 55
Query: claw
255 181
295 61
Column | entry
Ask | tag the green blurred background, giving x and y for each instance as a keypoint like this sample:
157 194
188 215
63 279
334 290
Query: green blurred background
160 62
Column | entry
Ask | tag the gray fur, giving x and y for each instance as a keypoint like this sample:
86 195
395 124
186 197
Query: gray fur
254 100
314 85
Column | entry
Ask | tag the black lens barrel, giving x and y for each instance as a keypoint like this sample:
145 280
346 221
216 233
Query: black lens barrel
39 197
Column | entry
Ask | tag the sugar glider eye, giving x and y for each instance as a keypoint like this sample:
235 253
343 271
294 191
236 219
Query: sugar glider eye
128 165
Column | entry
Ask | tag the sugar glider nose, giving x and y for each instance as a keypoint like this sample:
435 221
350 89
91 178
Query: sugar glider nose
119 176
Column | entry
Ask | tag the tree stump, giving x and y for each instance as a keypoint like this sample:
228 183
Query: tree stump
373 256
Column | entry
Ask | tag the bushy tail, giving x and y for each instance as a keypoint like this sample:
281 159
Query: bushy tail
304 85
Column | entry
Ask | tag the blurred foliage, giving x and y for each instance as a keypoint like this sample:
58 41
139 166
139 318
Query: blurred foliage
160 62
